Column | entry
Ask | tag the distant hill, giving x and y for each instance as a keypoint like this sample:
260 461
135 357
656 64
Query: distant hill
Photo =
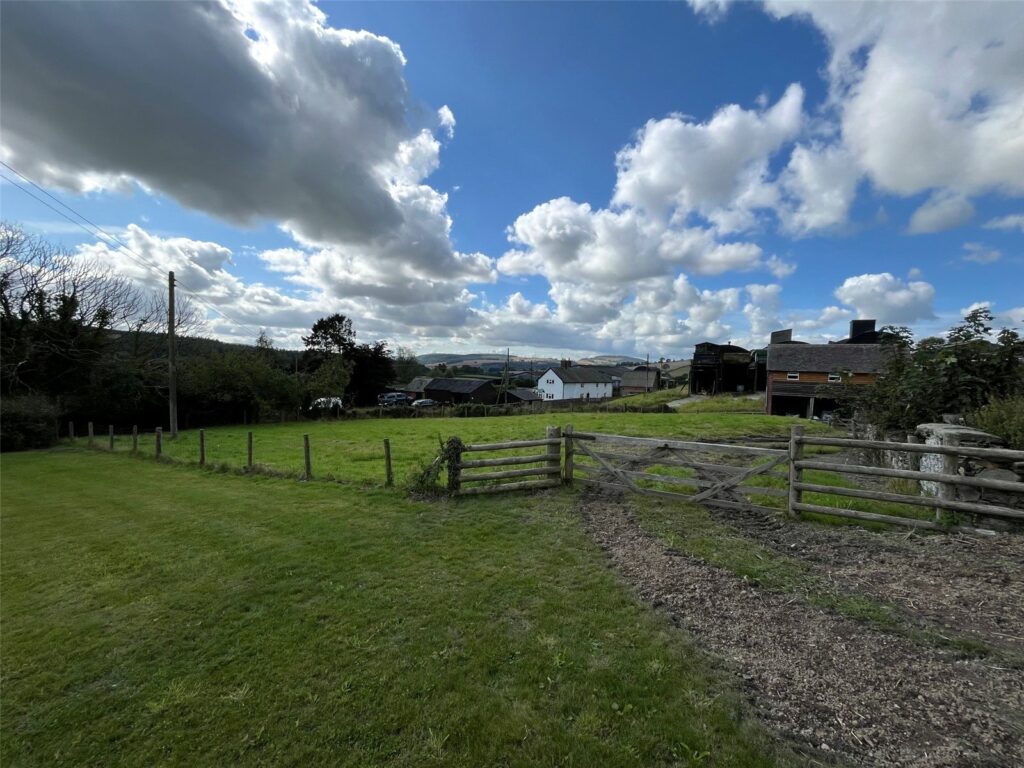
492 360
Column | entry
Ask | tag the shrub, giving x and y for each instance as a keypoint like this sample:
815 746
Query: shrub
1003 416
27 421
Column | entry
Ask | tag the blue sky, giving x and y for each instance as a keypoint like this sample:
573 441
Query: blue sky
559 178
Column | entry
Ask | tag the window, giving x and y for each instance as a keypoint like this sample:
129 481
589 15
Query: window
834 378
551 381
551 397
792 376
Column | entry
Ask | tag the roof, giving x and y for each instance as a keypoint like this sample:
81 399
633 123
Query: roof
640 379
825 358
615 371
463 386
418 384
522 393
581 374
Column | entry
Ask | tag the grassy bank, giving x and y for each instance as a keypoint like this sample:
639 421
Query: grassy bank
154 614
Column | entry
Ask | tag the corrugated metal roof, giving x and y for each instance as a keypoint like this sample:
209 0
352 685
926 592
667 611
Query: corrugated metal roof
582 374
463 386
826 358
418 384
524 394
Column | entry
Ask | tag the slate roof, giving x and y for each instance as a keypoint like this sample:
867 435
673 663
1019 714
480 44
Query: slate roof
461 386
826 358
581 374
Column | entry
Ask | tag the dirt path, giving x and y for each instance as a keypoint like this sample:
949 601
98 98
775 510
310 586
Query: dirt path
974 586
868 697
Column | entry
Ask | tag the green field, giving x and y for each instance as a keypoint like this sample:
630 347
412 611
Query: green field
155 614
353 450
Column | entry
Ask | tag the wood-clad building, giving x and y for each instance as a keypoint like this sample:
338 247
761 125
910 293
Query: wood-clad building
805 379
461 391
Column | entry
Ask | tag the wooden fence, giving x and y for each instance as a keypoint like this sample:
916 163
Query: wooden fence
717 473
948 481
250 464
550 468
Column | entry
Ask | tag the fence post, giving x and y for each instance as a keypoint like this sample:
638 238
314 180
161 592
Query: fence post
202 447
135 438
554 451
110 430
159 441
570 451
388 475
71 430
305 451
796 475
248 461
947 491
453 452
90 435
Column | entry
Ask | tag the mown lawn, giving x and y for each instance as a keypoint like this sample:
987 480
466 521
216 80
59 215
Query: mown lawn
155 614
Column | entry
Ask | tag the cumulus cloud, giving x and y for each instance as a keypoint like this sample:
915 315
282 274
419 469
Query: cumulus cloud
888 298
1013 221
940 212
819 185
716 168
270 115
928 97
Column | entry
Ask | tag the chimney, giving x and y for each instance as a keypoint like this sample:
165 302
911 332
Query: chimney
781 337
857 327
565 363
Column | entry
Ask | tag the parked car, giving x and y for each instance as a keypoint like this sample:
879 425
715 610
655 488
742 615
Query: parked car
392 398
425 402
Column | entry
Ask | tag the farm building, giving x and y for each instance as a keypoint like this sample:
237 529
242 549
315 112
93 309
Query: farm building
804 379
416 387
577 383
674 373
461 391
639 381
719 368
523 395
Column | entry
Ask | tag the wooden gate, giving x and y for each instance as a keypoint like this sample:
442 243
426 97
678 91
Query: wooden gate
707 473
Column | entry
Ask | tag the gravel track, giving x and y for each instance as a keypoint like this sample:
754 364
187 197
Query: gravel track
840 686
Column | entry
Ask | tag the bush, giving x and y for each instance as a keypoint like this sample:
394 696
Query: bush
27 421
1003 416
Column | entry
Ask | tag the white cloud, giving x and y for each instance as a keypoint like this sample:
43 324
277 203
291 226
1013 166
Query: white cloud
678 166
820 184
1013 221
307 126
446 119
780 268
980 254
941 211
887 299
928 96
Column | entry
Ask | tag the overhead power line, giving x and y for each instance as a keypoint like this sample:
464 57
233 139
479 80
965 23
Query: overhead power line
84 223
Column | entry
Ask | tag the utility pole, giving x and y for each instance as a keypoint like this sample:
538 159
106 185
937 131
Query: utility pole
172 382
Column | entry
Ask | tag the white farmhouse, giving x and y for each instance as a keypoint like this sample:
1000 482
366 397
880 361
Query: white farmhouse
577 383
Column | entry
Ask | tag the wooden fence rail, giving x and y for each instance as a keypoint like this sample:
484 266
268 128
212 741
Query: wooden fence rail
948 481
550 471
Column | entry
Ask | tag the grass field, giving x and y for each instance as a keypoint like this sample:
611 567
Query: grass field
353 450
156 614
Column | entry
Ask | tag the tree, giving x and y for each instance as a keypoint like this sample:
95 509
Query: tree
957 374
407 367
331 335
